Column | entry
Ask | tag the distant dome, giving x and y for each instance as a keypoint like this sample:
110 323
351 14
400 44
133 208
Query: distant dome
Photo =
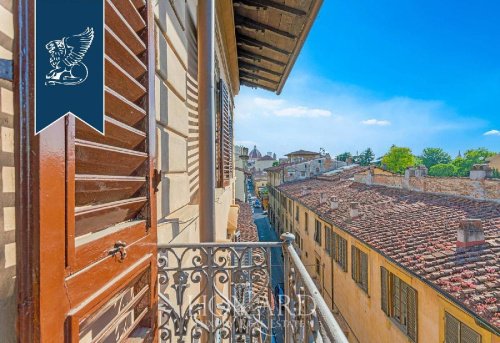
254 154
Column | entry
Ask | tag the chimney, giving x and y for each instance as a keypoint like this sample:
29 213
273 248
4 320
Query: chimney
303 191
334 203
322 198
421 171
470 233
410 172
354 210
480 172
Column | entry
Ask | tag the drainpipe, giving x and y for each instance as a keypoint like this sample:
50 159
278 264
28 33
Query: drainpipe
206 110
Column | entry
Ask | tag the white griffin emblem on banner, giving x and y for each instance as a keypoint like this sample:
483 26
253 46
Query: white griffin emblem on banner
66 57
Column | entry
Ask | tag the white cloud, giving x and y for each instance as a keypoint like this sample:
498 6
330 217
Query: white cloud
376 122
492 133
302 112
268 103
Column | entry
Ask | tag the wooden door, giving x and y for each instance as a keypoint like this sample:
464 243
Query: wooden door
87 208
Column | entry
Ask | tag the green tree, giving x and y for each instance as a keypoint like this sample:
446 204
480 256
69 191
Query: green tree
443 169
432 156
366 157
398 159
473 156
344 156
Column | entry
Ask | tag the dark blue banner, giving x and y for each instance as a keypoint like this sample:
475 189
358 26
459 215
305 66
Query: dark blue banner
69 61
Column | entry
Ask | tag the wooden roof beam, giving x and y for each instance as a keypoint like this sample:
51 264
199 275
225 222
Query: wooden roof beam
256 77
244 22
249 41
256 85
255 68
256 57
264 4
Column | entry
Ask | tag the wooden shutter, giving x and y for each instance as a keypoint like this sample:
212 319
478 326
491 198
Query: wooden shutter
452 329
344 254
94 203
412 309
467 335
364 270
384 290
225 136
354 263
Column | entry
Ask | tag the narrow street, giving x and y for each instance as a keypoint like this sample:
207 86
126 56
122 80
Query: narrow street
267 234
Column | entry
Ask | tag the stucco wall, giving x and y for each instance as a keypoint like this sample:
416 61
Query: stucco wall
7 184
177 123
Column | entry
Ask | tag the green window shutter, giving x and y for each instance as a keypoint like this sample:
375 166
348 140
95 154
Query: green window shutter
412 326
384 290
364 271
353 262
344 255
452 329
467 335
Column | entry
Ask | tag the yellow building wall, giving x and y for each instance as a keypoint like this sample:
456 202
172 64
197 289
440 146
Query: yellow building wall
359 313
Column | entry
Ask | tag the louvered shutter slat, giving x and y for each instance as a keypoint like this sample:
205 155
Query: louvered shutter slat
467 335
384 290
452 329
412 313
111 171
364 271
353 263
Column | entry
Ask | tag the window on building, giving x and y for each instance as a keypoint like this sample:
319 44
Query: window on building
328 240
339 251
298 241
458 332
318 268
297 213
359 267
317 232
399 301
306 224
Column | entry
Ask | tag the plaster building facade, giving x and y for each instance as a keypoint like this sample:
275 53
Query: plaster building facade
400 258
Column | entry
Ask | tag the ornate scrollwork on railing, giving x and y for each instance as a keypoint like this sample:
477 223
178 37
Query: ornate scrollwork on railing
222 292
309 319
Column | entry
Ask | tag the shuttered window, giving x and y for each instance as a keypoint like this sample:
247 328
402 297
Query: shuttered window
306 222
399 301
328 239
339 251
317 232
224 136
359 267
458 332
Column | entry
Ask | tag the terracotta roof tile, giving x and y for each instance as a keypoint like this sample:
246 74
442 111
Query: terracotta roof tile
246 226
418 231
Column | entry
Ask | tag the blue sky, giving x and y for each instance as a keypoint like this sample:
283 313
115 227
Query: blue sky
414 73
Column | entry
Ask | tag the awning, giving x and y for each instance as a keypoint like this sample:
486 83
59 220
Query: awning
270 35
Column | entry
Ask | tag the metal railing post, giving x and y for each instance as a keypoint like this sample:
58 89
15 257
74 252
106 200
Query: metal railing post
287 239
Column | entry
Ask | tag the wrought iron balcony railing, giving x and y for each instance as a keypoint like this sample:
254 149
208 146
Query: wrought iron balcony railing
240 292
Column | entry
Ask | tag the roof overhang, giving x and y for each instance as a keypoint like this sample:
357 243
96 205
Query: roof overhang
270 35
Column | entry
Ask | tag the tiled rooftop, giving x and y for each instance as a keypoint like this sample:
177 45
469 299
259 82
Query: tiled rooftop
302 152
278 167
419 232
248 229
